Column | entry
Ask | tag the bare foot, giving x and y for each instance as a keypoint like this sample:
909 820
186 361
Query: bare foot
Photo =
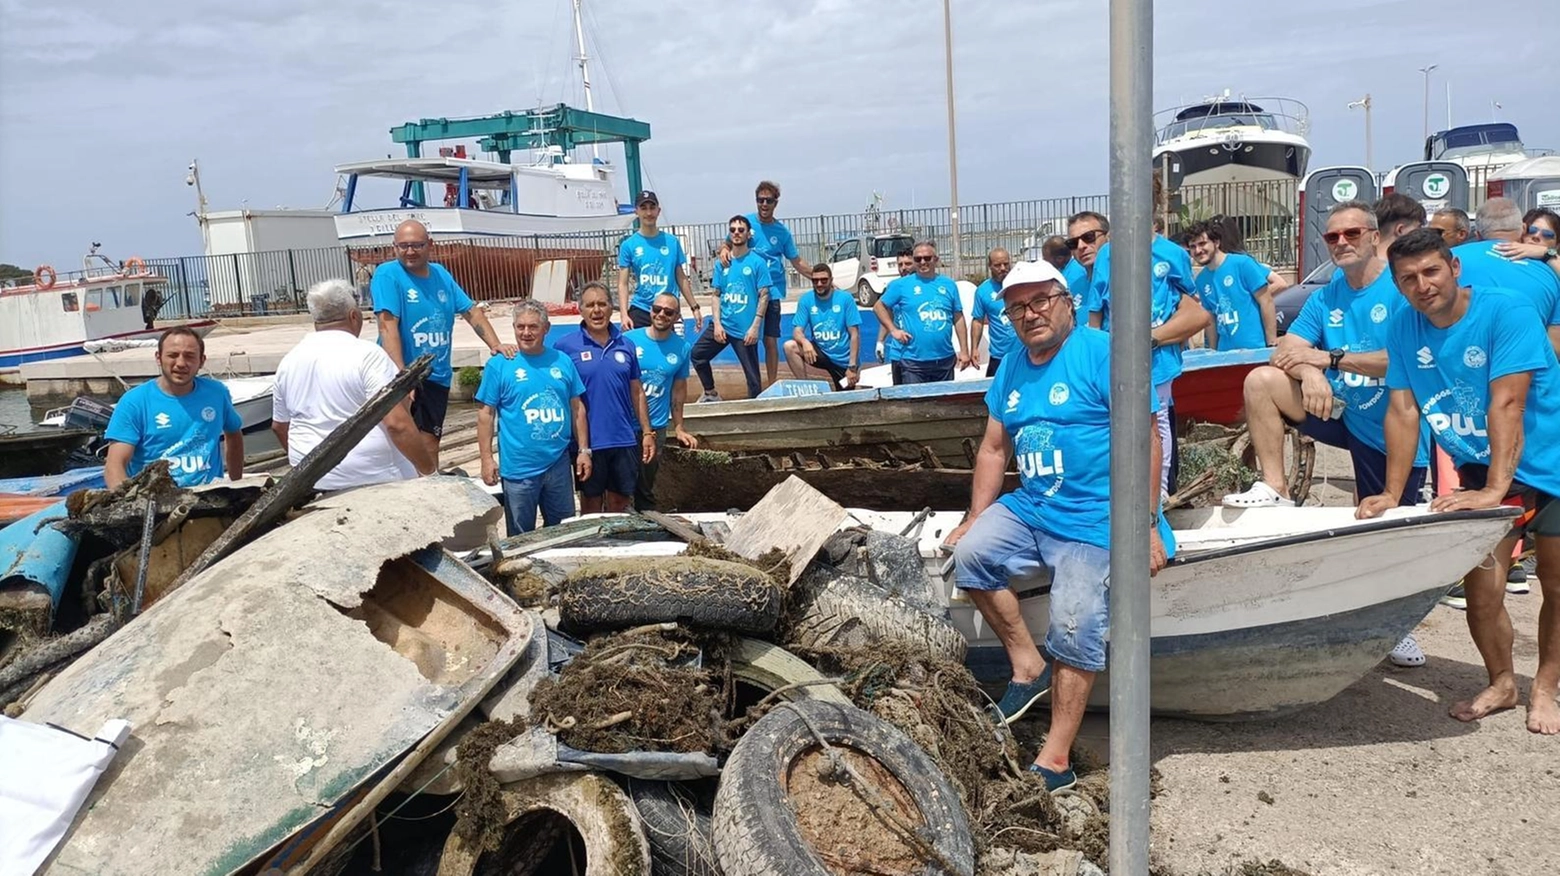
1489 701
1544 714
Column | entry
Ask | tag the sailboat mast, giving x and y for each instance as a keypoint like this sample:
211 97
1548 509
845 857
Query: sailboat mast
583 59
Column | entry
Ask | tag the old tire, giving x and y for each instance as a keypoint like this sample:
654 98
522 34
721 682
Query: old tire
890 561
600 811
694 590
677 824
755 826
770 667
832 610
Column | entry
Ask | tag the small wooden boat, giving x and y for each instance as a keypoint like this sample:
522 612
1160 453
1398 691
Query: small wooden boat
40 453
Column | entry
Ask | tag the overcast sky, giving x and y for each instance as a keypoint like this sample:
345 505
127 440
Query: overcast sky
103 104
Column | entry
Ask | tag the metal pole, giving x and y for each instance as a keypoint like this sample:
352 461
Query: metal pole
953 148
1368 160
590 106
1426 71
1131 201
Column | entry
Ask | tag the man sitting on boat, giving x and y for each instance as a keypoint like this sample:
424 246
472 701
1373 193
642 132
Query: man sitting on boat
825 332
1475 362
182 417
988 311
1049 405
1234 289
663 369
326 379
416 301
924 313
742 289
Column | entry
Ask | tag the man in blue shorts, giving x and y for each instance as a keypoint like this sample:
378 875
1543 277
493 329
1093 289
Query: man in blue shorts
415 302
1475 363
618 417
742 289
1483 264
655 262
773 241
924 313
663 369
537 400
988 310
182 417
825 332
1049 407
1234 289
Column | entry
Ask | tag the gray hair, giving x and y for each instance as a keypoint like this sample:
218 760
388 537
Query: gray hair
1498 216
1367 209
1459 217
332 301
531 305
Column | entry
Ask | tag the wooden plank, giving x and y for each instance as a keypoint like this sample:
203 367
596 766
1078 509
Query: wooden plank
674 526
793 517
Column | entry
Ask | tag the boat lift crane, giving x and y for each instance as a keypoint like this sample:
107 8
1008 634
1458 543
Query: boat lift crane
560 126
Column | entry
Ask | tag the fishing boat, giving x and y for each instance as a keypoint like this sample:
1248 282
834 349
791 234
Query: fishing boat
40 453
1263 611
54 316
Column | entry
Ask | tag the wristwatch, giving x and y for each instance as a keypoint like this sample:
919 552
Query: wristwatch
1333 358
1551 254
585 450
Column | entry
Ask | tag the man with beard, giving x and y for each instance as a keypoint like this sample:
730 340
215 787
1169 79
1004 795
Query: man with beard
1234 289
923 312
663 369
825 333
988 310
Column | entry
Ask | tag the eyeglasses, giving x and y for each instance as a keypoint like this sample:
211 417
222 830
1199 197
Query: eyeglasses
663 310
930 258
412 245
1352 235
764 200
1545 233
1037 305
1088 237
738 229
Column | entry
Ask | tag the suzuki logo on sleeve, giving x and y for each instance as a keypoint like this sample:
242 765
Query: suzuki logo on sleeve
1335 318
411 296
162 420
1425 357
1012 400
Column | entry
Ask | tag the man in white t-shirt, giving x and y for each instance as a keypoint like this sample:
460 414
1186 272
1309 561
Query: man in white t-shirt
326 379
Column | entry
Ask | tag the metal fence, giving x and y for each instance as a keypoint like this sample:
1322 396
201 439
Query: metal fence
493 268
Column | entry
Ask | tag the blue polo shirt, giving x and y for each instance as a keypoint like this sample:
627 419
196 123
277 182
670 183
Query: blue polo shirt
661 365
774 244
608 373
828 323
653 262
533 396
926 309
184 429
988 306
424 308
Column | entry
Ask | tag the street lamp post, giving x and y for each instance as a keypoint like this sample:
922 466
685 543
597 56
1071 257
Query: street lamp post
1364 104
953 147
1426 71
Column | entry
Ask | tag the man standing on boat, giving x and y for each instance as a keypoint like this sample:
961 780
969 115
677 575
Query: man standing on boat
326 379
1049 407
618 416
927 305
988 310
415 302
655 261
182 417
742 288
663 369
1475 362
1234 289
536 398
825 332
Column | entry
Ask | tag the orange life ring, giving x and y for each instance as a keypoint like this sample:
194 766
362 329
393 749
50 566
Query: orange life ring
44 277
134 266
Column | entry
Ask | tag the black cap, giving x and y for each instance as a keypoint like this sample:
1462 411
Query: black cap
649 196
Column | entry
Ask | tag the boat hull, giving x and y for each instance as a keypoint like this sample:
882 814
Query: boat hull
13 359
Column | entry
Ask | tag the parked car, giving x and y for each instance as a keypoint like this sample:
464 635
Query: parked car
865 264
1288 302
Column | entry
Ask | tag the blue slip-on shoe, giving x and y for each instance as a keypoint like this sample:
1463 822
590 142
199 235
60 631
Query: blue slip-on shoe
1055 781
1020 696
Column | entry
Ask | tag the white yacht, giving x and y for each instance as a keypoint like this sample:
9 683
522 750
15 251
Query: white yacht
1235 140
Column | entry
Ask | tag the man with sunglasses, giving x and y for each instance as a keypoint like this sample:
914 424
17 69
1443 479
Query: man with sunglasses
889 350
1474 363
1453 225
743 287
826 332
1088 232
663 369
924 314
988 310
772 241
654 260
1482 264
1049 409
415 302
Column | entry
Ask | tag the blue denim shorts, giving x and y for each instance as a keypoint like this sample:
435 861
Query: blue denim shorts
1000 546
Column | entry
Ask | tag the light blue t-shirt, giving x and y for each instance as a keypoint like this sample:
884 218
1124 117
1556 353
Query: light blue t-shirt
988 306
1336 317
424 308
1172 278
1449 371
828 323
1229 293
1481 265
653 262
926 309
184 429
774 244
661 365
739 286
1057 416
532 395
1077 279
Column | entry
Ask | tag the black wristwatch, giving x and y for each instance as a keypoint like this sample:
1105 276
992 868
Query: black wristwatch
1333 358
1551 254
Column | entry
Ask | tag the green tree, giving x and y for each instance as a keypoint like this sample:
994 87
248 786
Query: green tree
12 272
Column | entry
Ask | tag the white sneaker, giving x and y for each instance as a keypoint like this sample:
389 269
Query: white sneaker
1407 653
1259 496
710 395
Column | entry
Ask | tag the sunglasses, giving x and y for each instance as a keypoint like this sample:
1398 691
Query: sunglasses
1545 233
662 310
1088 237
930 258
822 281
1037 305
763 200
1352 235
738 229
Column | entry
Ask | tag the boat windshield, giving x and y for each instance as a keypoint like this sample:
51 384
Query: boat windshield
1473 140
1265 121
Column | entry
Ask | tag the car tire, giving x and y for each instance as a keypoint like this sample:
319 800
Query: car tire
770 667
828 609
600 811
676 818
865 296
715 594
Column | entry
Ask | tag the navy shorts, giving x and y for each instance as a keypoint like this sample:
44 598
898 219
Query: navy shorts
1370 464
639 316
430 401
912 371
612 470
772 318
1544 517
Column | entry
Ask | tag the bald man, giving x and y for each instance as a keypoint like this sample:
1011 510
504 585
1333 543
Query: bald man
415 302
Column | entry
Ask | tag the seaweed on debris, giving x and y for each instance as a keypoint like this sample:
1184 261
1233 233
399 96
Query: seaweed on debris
480 817
772 562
